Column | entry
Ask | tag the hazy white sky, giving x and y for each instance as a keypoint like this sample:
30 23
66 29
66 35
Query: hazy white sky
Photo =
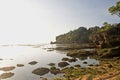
39 21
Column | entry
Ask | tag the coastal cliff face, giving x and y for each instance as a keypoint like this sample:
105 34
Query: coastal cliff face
108 38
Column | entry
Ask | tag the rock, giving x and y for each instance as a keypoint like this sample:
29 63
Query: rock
81 53
84 62
51 64
40 71
91 65
54 70
33 62
65 59
42 78
6 75
7 68
20 65
77 65
115 52
11 59
72 54
1 59
62 64
109 52
72 60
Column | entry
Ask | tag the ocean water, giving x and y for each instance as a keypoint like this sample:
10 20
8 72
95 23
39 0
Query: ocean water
23 54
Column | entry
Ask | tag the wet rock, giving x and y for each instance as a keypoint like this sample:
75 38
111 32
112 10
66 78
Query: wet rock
1 59
54 70
42 78
33 62
50 50
72 60
40 71
11 59
63 64
72 54
6 75
20 65
77 65
91 65
65 59
109 52
51 64
81 53
84 62
7 68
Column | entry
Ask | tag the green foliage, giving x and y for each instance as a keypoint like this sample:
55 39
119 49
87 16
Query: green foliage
115 9
93 29
106 26
79 35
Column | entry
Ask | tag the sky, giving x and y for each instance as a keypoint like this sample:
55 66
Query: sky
40 21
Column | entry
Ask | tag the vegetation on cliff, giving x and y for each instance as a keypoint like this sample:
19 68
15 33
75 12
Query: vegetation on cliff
80 35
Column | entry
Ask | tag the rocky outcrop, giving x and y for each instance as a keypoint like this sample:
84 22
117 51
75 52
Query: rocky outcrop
108 38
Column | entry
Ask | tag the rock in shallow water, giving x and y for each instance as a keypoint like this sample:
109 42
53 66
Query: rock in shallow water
54 70
40 71
20 65
63 64
6 75
51 64
33 62
7 68
65 59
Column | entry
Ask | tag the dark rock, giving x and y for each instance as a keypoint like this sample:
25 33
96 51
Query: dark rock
54 70
7 68
33 62
91 65
40 71
50 50
81 53
1 59
77 65
72 54
65 59
43 78
62 64
20 65
72 60
51 64
114 52
84 62
6 75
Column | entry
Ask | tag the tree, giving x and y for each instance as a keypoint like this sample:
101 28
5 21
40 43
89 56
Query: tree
115 9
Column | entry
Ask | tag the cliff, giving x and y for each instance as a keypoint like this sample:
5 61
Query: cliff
108 38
